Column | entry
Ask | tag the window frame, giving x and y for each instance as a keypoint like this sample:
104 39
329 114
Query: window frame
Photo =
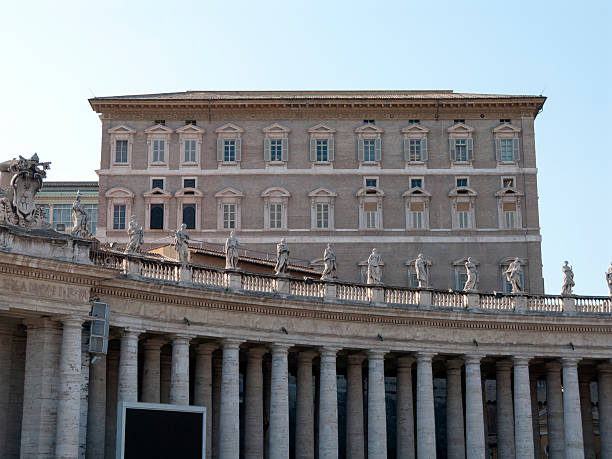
116 196
509 195
276 133
415 133
463 195
157 196
461 132
416 195
121 132
229 195
156 133
322 196
321 132
188 195
190 132
369 133
273 196
509 133
229 132
370 195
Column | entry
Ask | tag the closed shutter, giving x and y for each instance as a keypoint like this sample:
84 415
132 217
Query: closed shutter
285 149
424 149
219 148
267 155
359 149
406 149
498 149
330 149
516 149
313 148
451 149
238 149
470 149
378 146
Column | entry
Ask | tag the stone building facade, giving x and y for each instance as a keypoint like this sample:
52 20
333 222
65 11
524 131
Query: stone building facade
445 174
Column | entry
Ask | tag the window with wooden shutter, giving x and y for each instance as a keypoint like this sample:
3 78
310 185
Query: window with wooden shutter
424 149
451 149
470 149
267 153
370 206
360 149
285 149
313 148
330 149
378 146
220 146
238 149
516 149
463 206
498 149
406 149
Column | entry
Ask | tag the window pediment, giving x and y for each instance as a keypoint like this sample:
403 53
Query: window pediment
370 191
462 261
321 129
462 191
368 129
275 192
276 129
416 192
411 263
159 129
415 129
459 129
507 260
190 129
507 128
157 193
322 193
229 192
121 129
118 193
508 192
188 192
229 128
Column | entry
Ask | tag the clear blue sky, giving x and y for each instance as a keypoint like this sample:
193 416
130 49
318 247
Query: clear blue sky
55 55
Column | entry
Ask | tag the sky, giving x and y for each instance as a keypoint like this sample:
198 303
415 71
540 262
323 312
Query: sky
56 55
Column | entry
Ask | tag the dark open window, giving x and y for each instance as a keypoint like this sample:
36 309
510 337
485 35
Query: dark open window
157 216
189 215
157 183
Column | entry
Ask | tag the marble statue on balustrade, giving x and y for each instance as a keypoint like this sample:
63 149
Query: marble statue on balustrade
231 251
375 267
471 283
135 235
513 276
282 258
568 279
330 267
422 271
17 205
609 278
181 244
79 218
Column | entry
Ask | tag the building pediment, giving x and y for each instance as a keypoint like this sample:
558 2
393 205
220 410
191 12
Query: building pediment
321 129
413 261
508 260
506 128
416 191
462 261
368 129
322 193
229 192
158 193
121 129
462 191
188 192
508 191
159 129
229 128
275 192
118 192
415 129
460 128
190 129
369 191
276 129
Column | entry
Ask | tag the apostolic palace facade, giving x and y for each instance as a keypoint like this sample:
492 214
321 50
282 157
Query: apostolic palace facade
288 367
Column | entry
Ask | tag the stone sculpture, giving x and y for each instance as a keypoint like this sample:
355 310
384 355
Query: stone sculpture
374 268
609 278
422 271
282 258
231 251
568 279
471 283
181 239
136 236
17 206
513 276
330 267
79 218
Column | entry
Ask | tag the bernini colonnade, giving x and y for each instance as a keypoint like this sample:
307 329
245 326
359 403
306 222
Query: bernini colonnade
234 341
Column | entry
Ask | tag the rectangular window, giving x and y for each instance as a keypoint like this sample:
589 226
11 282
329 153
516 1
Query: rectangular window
119 216
371 183
504 121
413 281
368 121
508 285
157 217
459 121
462 181
162 122
508 182
322 215
416 183
461 150
62 217
461 278
92 217
190 122
276 150
415 150
371 211
464 219
505 146
229 216
322 151
229 151
190 150
157 183
189 183
121 151
159 148
369 150
509 209
416 214
189 215
275 216
413 122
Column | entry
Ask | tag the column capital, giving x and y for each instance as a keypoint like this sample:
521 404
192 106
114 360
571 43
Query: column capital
424 356
228 343
473 359
328 352
306 356
131 332
355 359
454 364
277 348
153 343
377 354
175 337
570 361
41 322
256 353
504 365
71 320
521 360
405 361
206 348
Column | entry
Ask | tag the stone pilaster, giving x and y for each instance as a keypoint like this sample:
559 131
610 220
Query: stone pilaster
128 366
267 383
586 409
574 446
405 410
426 424
554 409
355 441
6 344
216 411
14 410
229 432
328 405
523 427
279 403
253 405
96 410
151 371
455 439
377 415
202 387
474 414
112 392
179 376
604 385
304 409
505 412
165 374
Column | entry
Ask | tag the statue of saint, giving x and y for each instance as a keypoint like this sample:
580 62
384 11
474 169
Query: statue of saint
513 276
135 235
374 268
609 278
231 251
568 279
79 218
329 270
282 258
422 271
181 239
471 283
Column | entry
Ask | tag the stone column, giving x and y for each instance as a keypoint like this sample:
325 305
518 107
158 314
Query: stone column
474 414
586 409
267 382
151 371
355 446
202 387
377 414
229 423
535 415
604 387
216 411
304 407
554 409
128 367
405 410
112 391
426 424
165 375
179 376
253 405
279 403
455 440
6 344
574 446
505 412
96 409
523 427
328 405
